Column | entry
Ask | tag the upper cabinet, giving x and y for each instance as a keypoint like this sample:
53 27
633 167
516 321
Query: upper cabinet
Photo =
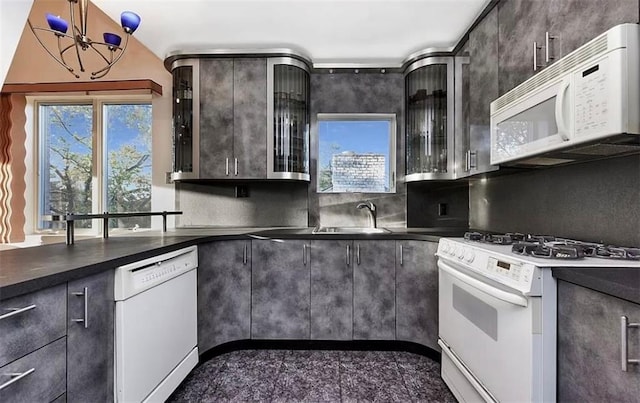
240 118
535 33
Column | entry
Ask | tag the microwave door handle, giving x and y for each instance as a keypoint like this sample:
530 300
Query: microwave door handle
482 286
563 130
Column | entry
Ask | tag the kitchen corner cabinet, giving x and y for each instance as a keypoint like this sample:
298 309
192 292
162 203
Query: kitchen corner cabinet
241 118
550 29
332 290
224 293
374 290
90 341
417 293
280 289
589 346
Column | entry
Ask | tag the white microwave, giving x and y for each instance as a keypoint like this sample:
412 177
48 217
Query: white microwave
586 105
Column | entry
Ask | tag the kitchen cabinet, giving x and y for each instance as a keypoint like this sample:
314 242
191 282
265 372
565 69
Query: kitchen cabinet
90 338
224 293
589 346
233 115
524 26
417 293
240 118
374 286
332 290
478 88
280 289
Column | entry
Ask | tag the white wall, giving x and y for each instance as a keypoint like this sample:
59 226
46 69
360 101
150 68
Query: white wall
13 16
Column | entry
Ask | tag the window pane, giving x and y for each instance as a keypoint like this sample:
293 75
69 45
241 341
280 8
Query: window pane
355 155
128 162
65 161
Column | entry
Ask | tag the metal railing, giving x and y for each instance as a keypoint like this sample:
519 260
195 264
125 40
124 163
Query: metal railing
71 218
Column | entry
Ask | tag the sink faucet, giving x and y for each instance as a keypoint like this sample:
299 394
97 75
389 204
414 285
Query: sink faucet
371 208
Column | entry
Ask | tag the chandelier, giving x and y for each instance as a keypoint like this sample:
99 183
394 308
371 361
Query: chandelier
77 41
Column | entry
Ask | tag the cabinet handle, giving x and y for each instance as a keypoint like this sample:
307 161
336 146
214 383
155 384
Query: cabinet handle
226 169
547 42
244 254
304 254
85 320
536 47
16 311
467 161
348 255
236 166
358 254
624 352
15 377
401 254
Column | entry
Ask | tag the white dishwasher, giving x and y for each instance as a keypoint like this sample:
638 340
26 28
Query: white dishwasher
156 329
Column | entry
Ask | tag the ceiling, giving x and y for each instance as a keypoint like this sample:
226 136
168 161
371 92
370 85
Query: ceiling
330 32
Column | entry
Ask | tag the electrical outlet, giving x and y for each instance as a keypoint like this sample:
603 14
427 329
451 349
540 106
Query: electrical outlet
242 191
442 209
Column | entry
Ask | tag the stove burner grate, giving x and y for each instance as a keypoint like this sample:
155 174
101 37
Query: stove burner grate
548 251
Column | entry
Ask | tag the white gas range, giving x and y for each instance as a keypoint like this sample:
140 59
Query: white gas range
497 311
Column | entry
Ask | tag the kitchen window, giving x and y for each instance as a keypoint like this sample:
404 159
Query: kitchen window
94 156
356 153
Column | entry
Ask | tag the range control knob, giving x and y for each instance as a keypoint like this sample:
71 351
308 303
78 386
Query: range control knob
460 253
470 256
444 246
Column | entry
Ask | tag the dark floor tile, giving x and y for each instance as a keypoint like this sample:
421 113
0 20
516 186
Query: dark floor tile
422 379
367 356
372 381
312 355
242 380
196 385
309 381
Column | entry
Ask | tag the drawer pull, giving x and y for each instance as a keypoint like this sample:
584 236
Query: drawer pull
624 359
84 320
15 377
16 311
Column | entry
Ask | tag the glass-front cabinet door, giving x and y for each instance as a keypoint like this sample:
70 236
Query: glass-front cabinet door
429 100
186 120
287 119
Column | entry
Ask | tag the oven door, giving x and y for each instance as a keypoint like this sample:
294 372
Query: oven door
486 335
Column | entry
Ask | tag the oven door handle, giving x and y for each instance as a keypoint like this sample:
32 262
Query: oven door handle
482 286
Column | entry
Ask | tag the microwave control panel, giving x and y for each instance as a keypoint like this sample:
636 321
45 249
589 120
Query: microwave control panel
591 98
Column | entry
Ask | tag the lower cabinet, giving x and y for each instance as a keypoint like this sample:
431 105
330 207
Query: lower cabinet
332 290
374 290
280 297
224 293
590 346
417 293
90 341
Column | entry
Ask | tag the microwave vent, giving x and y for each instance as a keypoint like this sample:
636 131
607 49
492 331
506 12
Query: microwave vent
567 63
606 149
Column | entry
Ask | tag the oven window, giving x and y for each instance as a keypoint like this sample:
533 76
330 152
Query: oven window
484 316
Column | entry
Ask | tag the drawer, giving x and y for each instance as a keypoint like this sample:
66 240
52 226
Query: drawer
32 328
45 382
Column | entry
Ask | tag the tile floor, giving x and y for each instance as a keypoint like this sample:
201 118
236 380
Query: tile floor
315 375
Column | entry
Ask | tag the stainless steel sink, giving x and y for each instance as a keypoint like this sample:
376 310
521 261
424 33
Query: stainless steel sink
350 230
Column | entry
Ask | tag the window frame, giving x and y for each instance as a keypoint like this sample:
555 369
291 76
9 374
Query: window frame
363 117
98 152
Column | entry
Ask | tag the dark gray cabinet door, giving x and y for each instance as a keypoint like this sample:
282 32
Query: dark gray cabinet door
483 87
374 286
250 118
280 295
576 22
417 293
90 344
521 22
216 118
589 347
332 290
224 293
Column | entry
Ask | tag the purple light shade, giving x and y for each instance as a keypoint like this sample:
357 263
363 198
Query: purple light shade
112 39
130 21
57 24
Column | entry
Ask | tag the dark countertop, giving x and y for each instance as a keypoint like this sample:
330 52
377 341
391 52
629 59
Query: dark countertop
618 282
25 270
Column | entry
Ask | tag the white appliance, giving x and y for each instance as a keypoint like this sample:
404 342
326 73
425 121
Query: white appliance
497 317
585 105
156 328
